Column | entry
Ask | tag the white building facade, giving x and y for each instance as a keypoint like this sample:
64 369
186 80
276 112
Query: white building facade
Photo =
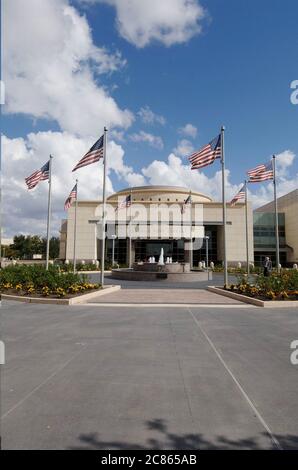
157 218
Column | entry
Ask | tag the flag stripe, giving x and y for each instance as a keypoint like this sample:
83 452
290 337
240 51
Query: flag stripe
186 202
71 198
126 202
38 175
93 155
207 154
261 173
239 196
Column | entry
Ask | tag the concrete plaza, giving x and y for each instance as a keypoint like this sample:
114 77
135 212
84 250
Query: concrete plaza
119 377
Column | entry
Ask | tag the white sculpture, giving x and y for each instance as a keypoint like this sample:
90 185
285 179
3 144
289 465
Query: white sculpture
239 265
295 266
200 265
161 258
212 265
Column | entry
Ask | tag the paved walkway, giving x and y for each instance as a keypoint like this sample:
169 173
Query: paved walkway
164 296
86 377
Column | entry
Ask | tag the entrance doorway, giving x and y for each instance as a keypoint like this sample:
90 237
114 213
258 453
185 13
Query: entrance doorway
146 248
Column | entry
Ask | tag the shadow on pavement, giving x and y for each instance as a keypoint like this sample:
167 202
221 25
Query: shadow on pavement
166 440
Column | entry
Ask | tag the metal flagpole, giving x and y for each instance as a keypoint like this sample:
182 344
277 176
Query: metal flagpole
75 231
104 207
224 208
246 228
49 213
191 244
276 213
130 244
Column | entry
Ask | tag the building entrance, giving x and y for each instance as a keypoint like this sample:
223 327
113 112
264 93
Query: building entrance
146 248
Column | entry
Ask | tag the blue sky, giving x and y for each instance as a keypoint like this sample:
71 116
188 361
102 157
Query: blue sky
235 69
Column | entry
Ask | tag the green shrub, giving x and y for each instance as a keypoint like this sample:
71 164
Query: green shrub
281 285
35 279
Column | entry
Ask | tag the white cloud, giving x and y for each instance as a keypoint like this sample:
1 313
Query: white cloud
284 161
169 22
149 117
287 181
50 65
153 140
189 130
184 148
175 172
25 211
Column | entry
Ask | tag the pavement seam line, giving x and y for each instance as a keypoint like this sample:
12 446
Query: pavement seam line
19 403
181 374
239 386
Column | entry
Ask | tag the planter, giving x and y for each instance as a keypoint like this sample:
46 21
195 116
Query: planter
78 299
252 300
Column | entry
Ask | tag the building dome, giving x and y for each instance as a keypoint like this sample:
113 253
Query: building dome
155 194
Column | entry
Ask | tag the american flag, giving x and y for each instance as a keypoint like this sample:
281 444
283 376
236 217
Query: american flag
186 202
71 198
93 155
38 175
207 154
239 196
263 174
126 202
255 171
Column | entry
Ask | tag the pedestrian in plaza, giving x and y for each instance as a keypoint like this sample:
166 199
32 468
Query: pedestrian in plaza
267 266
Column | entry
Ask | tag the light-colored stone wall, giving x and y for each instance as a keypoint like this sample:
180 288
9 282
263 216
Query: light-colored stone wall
235 231
212 215
86 241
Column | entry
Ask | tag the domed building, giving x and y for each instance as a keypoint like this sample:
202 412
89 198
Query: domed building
142 220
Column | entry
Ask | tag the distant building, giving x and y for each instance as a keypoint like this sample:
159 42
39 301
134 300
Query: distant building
177 247
264 229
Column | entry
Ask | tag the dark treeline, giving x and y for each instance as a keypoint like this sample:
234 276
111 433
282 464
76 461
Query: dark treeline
24 247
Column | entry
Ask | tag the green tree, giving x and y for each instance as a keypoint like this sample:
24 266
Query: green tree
54 247
25 247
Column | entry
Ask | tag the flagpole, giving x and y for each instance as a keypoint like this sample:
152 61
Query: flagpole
224 208
104 208
130 244
191 244
75 231
246 227
49 213
276 213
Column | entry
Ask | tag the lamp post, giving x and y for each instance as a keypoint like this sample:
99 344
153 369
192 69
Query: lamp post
113 249
207 255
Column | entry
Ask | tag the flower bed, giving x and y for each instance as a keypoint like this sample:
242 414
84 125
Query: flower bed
35 281
279 286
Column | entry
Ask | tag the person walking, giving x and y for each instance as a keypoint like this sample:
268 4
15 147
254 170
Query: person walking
267 266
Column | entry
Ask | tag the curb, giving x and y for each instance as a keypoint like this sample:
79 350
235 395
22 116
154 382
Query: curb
72 301
252 301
